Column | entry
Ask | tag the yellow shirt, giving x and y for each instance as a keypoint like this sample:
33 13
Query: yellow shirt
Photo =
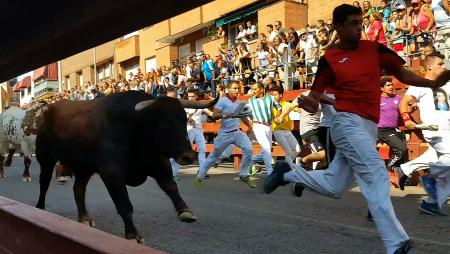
286 124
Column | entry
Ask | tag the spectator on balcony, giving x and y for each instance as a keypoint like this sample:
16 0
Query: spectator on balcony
293 40
441 10
422 21
332 34
388 131
220 32
366 25
403 26
271 33
262 38
262 52
320 24
209 74
309 49
130 76
250 30
245 64
139 76
242 33
376 30
151 86
278 28
279 52
107 90
385 11
367 8
356 4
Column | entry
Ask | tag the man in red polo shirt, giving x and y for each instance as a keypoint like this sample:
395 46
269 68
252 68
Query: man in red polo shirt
352 69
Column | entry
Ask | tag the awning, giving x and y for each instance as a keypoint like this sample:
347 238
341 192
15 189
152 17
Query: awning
39 73
239 15
16 88
25 82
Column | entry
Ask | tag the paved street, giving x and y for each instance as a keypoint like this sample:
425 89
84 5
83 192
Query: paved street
235 219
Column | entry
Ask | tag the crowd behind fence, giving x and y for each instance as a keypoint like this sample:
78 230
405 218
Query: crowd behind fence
284 57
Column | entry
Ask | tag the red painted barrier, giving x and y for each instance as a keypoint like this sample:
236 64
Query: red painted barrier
25 229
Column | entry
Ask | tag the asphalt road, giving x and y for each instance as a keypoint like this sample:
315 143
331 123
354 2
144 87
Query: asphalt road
235 219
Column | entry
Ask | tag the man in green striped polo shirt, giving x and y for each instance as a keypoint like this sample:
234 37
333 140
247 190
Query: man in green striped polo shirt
262 107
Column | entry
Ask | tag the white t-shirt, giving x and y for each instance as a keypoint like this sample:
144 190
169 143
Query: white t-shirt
263 57
241 35
228 106
281 59
272 36
251 30
309 121
196 116
429 112
308 47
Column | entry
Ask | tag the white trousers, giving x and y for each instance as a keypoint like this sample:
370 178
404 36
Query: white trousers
195 135
357 159
440 169
263 134
289 144
221 142
421 162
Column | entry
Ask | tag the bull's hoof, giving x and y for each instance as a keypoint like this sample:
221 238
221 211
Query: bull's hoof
7 163
62 180
138 238
26 179
2 175
89 223
187 217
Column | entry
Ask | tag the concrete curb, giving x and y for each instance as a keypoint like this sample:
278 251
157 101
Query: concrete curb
26 229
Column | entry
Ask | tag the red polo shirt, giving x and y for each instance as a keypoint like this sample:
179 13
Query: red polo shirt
354 75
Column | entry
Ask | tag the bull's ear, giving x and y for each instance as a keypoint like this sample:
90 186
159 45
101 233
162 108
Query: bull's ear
143 104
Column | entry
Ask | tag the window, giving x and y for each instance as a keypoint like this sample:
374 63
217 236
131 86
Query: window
80 79
199 44
22 93
233 27
150 63
29 90
108 70
184 50
132 68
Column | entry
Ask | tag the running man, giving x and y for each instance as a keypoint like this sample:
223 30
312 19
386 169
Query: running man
352 68
282 129
229 134
262 106
437 183
194 131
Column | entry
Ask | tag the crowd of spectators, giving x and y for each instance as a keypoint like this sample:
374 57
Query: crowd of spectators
284 57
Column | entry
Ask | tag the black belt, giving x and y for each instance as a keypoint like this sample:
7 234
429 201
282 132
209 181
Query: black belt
231 131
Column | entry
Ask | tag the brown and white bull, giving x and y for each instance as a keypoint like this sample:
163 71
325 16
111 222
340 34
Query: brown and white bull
123 137
18 129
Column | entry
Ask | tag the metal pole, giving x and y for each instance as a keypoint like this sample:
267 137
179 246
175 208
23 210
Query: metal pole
287 86
95 66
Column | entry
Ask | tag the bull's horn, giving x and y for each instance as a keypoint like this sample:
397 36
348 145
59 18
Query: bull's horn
198 104
143 104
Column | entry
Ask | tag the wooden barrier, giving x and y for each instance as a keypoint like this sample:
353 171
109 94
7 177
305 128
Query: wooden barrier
25 229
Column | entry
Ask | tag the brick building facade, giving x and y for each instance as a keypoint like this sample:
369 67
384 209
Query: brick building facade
186 33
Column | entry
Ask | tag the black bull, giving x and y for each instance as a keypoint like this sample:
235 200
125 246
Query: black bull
124 138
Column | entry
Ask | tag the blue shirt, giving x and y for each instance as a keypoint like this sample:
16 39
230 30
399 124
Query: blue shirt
208 68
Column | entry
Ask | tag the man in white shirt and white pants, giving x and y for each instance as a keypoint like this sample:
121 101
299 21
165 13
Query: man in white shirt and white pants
434 105
195 132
